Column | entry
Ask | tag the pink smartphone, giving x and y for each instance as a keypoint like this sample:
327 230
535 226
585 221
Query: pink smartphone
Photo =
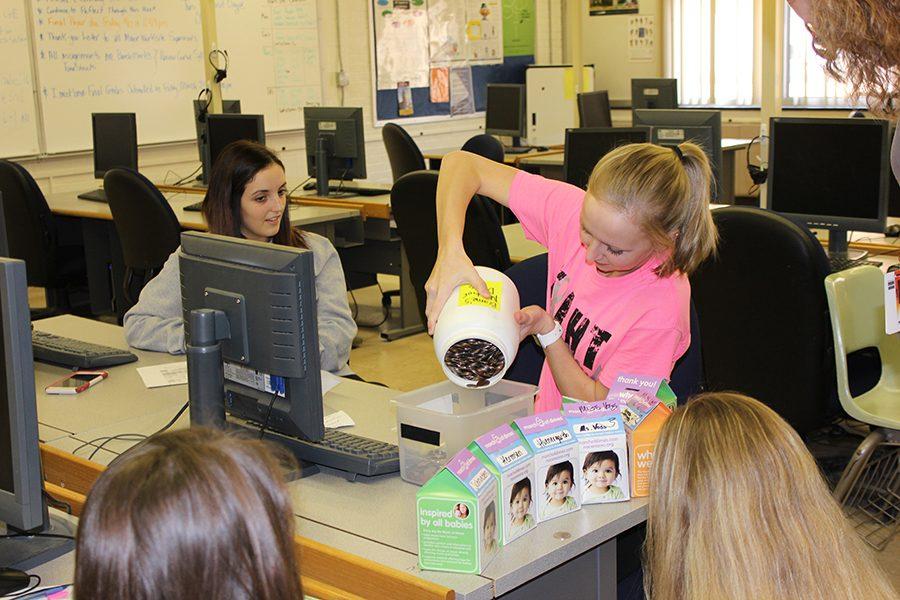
77 382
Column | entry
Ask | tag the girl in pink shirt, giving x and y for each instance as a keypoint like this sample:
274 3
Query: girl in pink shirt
618 297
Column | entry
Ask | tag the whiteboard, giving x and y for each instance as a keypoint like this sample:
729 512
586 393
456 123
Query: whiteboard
146 57
18 117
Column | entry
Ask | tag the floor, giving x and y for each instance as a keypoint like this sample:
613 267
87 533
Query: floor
410 363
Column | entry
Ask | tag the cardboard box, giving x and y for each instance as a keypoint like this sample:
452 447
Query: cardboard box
602 450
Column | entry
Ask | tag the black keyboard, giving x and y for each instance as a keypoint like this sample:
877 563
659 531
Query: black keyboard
359 191
195 207
517 149
841 263
76 353
348 452
94 195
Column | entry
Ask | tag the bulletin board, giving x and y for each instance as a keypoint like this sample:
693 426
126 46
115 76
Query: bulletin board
431 59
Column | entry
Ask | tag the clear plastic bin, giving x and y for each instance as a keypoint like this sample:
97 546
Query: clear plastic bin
435 422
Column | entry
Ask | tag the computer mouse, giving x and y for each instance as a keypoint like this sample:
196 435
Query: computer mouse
12 580
542 148
892 230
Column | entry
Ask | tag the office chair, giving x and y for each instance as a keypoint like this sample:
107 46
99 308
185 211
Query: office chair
593 109
147 226
413 205
530 277
764 317
485 145
34 235
403 153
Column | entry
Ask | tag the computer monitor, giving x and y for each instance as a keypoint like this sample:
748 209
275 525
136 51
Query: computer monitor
22 506
672 127
335 145
115 142
505 112
268 371
222 129
4 236
586 146
593 109
654 93
830 174
201 111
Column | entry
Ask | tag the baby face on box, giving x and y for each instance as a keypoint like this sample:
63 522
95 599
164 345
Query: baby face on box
555 456
602 450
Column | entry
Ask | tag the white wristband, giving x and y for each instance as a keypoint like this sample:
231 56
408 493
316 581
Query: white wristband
545 339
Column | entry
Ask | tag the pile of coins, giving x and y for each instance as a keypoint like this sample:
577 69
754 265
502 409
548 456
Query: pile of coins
475 360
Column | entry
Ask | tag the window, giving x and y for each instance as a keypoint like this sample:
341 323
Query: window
713 51
806 82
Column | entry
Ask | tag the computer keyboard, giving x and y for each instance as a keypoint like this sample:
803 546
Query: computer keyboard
841 263
517 149
97 195
73 353
348 452
195 207
359 191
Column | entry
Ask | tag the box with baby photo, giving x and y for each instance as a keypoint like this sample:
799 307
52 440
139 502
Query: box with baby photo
602 450
555 455
646 403
507 456
457 516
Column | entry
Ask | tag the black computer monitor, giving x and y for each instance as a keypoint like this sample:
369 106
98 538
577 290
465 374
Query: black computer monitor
671 127
115 142
586 146
222 129
505 112
830 174
654 93
4 235
266 296
593 109
22 506
335 145
201 111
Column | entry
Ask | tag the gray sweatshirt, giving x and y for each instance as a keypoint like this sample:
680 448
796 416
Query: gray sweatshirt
156 321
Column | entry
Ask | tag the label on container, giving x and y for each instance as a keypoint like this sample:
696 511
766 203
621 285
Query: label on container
469 296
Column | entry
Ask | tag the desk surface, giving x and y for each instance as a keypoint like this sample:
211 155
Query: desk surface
558 158
374 519
510 159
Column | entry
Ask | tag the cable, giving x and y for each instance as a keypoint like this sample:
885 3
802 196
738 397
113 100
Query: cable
385 309
183 179
294 189
340 186
265 424
137 437
55 503
172 421
122 436
45 535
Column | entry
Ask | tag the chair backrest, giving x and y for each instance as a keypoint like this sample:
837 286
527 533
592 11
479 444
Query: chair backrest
147 226
403 153
593 109
30 227
856 306
485 145
764 317
413 207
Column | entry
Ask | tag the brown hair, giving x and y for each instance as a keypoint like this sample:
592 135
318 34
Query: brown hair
738 509
667 189
189 514
235 167
860 42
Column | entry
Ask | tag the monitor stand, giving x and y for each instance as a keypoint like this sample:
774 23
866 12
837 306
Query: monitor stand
838 248
26 552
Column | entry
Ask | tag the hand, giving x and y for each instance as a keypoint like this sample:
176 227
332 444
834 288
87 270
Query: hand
533 319
451 269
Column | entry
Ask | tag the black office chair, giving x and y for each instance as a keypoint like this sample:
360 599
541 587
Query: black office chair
413 206
53 254
403 153
593 109
147 226
485 145
530 277
764 315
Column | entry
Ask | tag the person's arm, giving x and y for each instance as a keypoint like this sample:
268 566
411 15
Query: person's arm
462 176
336 326
156 322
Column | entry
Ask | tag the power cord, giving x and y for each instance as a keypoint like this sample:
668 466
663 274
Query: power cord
278 386
385 305
299 185
137 437
188 177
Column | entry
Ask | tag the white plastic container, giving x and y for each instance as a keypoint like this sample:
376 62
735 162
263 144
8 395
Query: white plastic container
437 421
484 330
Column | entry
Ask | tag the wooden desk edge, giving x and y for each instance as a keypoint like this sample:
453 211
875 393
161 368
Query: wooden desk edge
326 572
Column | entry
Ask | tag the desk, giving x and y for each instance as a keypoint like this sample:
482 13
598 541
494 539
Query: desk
373 519
434 157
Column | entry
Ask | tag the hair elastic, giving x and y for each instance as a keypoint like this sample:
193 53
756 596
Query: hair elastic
678 152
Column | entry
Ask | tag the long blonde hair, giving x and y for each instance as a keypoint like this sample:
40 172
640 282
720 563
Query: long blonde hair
738 509
667 190
860 42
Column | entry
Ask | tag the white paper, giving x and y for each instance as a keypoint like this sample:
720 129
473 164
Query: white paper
329 380
442 404
163 375
338 419
402 40
641 38
891 302
462 99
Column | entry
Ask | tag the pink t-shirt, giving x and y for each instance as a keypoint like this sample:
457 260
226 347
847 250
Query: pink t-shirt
636 323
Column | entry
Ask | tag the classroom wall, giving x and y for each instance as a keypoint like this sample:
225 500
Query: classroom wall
343 40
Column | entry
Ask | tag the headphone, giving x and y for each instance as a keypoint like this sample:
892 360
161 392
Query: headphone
204 106
757 174
221 72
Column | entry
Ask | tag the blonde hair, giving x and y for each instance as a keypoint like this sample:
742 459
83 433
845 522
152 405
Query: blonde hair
667 191
738 509
860 42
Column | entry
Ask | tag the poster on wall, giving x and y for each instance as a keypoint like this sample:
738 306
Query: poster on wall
401 32
518 27
599 8
465 31
484 32
641 38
